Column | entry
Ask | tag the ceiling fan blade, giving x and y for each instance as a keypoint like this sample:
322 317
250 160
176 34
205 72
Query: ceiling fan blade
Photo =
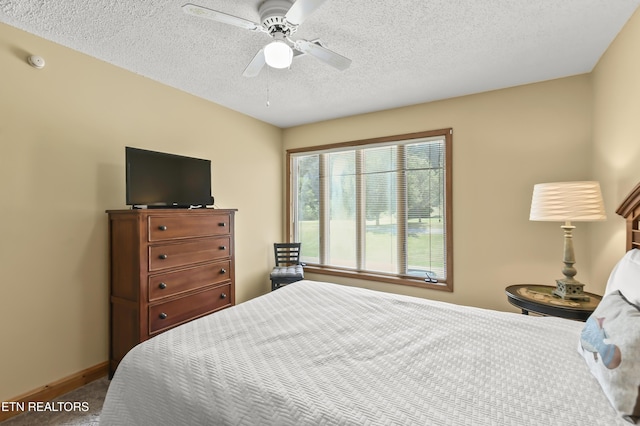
325 55
256 65
214 15
301 9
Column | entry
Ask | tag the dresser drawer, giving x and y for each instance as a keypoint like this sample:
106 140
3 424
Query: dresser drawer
172 283
165 256
169 314
177 227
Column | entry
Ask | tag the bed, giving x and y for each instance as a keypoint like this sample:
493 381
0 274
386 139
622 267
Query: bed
316 353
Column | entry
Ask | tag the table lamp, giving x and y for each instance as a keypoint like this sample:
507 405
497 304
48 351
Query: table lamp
568 202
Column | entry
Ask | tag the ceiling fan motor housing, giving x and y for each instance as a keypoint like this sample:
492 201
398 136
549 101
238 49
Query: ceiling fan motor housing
272 13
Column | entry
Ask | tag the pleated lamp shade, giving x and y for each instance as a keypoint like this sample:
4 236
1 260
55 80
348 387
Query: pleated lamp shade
567 202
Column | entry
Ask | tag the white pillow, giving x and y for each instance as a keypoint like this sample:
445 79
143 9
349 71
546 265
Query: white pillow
625 277
610 345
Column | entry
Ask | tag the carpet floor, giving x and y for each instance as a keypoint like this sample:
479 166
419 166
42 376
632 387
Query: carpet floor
93 394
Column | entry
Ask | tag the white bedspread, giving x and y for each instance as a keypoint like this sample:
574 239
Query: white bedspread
315 353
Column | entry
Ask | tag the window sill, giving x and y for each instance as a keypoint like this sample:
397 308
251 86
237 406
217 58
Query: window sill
370 276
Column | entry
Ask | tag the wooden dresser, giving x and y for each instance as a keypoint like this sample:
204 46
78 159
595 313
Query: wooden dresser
168 267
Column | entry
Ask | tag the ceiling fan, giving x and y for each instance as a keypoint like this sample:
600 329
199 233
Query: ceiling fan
280 19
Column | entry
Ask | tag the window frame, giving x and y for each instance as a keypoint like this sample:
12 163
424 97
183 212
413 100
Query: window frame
442 284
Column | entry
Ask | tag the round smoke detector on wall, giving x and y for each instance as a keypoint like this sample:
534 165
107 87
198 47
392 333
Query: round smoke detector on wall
36 61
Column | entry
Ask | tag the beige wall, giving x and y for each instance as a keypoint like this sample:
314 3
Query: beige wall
503 143
62 135
616 140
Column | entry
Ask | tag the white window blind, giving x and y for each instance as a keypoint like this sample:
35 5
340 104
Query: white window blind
378 208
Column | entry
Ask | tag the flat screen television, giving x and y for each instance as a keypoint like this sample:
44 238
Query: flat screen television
162 180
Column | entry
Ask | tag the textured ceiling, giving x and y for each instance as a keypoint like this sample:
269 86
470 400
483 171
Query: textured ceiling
403 52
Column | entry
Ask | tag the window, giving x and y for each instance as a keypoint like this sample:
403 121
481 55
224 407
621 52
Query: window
375 209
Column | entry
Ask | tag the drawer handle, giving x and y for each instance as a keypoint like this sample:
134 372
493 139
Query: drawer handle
162 286
223 247
223 271
223 295
162 227
222 224
163 256
163 315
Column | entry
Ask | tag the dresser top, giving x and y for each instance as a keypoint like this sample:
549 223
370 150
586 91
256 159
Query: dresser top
170 210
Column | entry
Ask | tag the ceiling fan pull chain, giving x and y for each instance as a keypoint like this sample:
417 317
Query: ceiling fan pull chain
268 72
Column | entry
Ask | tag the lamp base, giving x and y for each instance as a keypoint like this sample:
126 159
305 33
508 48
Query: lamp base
570 289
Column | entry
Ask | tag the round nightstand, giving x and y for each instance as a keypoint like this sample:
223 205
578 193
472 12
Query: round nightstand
540 300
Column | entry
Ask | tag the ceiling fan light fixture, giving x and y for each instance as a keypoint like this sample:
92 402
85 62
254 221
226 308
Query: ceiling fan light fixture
278 54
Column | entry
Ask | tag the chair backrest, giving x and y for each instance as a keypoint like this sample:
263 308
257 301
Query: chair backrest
287 253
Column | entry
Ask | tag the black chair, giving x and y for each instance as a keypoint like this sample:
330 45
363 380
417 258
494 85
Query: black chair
288 267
